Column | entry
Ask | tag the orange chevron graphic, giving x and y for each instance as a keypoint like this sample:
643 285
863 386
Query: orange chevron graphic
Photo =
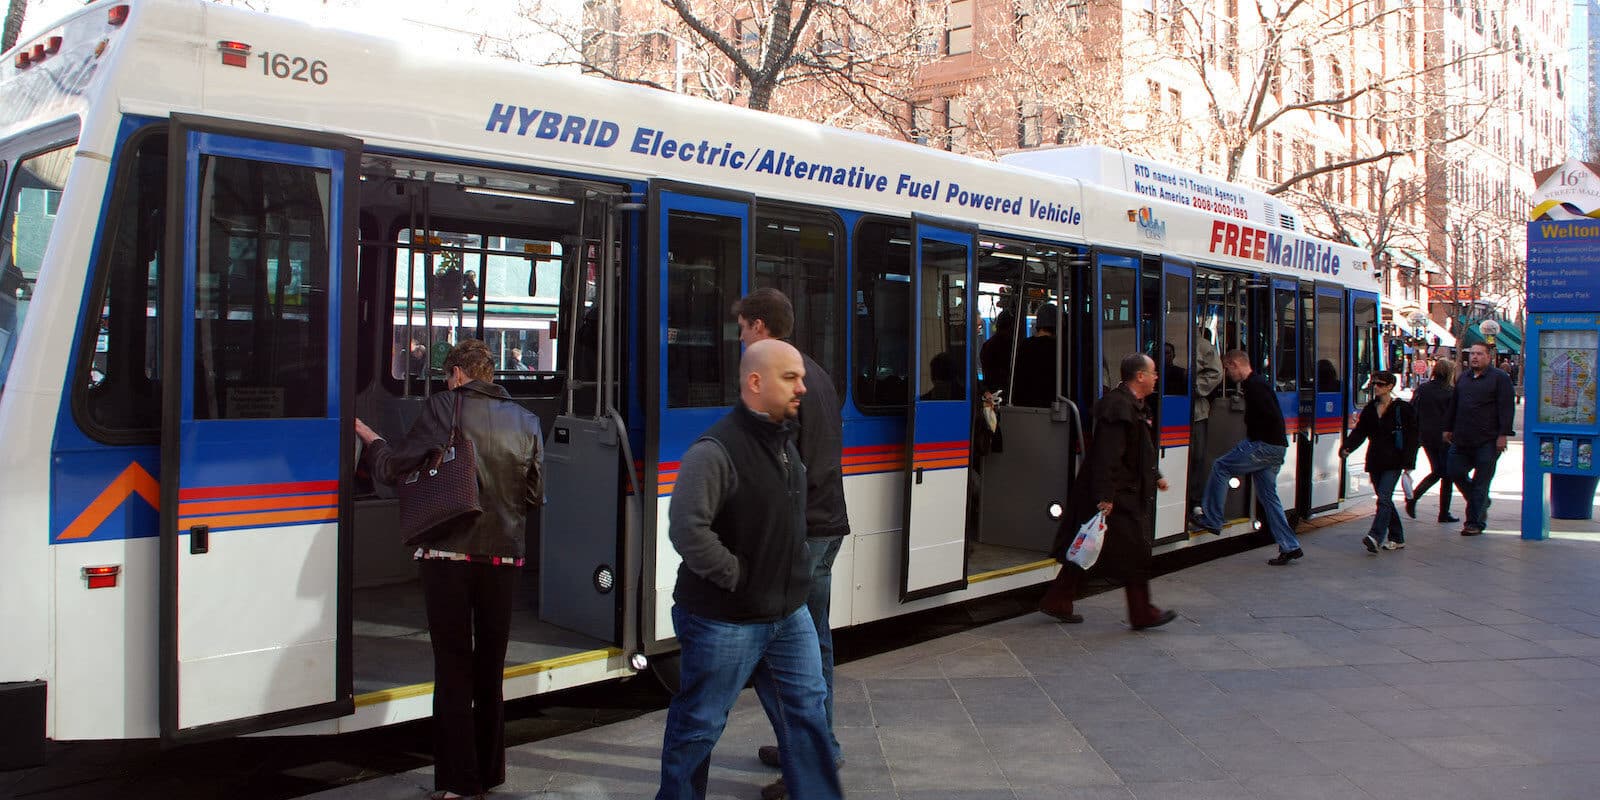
133 480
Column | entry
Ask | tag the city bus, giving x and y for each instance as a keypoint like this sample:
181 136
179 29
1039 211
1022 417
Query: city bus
228 235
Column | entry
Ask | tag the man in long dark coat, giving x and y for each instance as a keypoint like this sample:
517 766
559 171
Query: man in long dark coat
1119 476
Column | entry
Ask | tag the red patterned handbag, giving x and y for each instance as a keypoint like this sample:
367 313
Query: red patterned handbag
441 497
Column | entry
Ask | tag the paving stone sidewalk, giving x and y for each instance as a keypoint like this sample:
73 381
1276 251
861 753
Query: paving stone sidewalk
1457 668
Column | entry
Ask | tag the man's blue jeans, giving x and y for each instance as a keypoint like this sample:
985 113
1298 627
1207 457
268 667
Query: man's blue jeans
823 550
1261 462
718 658
1386 523
1479 461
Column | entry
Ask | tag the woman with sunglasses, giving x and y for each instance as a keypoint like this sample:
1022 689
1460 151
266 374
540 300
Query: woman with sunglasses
1389 427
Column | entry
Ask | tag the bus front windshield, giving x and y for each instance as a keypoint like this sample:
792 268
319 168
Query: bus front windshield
29 216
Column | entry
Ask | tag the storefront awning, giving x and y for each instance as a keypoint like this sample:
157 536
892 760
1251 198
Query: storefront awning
1508 340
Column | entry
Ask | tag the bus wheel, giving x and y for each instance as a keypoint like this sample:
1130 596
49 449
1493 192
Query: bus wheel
667 667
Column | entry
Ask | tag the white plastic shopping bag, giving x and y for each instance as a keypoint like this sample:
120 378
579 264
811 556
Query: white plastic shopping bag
1085 547
1407 486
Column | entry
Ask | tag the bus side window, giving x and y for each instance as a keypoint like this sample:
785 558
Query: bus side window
880 313
801 254
117 386
29 215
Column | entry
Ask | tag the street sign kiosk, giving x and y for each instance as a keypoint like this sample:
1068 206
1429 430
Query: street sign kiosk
1561 427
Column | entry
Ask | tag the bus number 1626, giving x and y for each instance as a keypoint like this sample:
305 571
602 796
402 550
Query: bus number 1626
293 68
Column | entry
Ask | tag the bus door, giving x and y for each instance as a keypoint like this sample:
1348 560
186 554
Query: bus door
581 566
1328 408
1175 363
699 246
257 430
940 416
1361 337
1283 333
1305 314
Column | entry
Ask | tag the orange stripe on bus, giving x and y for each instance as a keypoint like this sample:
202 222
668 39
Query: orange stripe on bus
131 481
193 508
948 462
261 520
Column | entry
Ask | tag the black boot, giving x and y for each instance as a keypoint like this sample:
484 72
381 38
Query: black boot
1057 602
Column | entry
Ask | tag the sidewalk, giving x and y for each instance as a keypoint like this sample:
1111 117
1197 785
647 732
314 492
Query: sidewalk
1458 668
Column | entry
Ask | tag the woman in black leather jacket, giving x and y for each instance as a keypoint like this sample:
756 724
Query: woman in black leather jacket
1431 400
469 576
1389 427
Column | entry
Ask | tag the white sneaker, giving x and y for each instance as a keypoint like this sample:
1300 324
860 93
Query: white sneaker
1197 512
1394 545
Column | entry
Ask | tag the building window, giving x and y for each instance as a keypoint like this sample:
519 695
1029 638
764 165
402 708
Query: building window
1029 125
955 124
958 28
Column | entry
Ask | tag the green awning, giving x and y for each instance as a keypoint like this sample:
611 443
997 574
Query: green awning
1508 340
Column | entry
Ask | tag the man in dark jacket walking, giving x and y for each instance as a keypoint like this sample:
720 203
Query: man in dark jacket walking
737 519
767 314
1259 456
1478 426
1119 477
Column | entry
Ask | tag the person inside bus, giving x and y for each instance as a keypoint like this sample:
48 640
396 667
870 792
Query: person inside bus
1259 456
1034 377
995 355
412 361
1176 378
469 285
738 523
763 314
1119 477
469 576
944 379
515 362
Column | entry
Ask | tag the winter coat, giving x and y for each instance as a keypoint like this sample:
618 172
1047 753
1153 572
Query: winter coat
1383 452
1120 466
509 451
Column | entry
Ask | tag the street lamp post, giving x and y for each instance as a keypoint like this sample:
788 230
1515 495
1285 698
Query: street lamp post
1490 329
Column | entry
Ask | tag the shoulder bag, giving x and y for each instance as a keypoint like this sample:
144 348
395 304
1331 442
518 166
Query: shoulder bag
441 497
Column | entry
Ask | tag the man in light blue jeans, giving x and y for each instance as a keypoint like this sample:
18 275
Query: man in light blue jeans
1260 456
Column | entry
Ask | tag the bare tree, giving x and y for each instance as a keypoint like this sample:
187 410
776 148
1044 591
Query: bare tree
846 63
15 12
1056 70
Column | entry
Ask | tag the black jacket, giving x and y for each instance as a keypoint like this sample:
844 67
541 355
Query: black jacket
1379 434
1482 409
510 453
737 519
822 450
1432 400
1263 417
1120 466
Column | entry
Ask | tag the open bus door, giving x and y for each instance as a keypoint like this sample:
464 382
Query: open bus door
1305 323
586 565
1283 336
258 354
1327 434
1361 349
940 416
700 242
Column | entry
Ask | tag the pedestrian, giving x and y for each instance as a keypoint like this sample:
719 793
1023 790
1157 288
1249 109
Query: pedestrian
1259 455
767 314
1477 426
469 577
1119 476
737 521
1432 400
1388 425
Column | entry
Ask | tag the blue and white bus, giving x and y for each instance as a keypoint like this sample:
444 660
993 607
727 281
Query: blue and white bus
226 235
